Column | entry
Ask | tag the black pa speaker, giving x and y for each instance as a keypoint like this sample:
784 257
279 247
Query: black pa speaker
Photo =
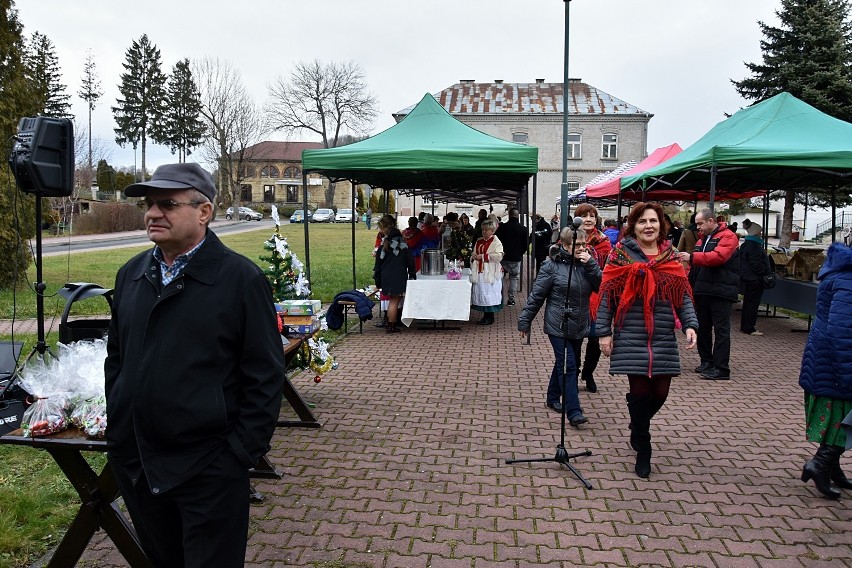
42 159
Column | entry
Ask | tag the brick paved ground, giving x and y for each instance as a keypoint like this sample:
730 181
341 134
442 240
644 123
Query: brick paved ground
408 468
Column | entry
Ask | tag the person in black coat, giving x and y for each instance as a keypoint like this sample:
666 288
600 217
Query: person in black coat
193 378
754 265
515 239
541 240
393 268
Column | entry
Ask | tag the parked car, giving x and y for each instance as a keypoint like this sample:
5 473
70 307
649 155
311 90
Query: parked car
323 216
297 215
245 214
344 216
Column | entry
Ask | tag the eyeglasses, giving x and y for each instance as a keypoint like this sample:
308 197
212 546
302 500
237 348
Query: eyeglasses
167 205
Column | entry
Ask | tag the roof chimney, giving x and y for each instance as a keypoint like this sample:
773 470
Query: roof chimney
498 81
463 81
539 81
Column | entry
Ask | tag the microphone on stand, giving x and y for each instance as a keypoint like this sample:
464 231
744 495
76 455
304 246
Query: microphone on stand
577 222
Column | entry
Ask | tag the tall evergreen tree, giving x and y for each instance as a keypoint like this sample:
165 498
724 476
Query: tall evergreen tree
143 96
106 177
90 91
374 203
809 56
182 128
17 217
44 75
362 205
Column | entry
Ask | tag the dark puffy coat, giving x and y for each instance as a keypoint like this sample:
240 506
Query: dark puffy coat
633 353
753 260
550 285
827 360
391 271
194 369
715 265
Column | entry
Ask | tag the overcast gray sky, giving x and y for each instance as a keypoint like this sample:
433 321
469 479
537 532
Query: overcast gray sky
672 58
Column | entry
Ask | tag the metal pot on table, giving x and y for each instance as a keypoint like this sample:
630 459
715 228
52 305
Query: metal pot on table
432 263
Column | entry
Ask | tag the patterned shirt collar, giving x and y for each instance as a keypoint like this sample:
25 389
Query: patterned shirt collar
169 273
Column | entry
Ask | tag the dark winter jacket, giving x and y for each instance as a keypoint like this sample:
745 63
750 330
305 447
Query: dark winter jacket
827 360
394 267
633 351
515 239
363 307
194 369
541 236
753 260
715 265
550 286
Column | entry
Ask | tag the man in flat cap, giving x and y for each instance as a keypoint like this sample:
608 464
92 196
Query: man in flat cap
193 378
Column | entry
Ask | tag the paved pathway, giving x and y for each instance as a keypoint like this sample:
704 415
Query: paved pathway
408 468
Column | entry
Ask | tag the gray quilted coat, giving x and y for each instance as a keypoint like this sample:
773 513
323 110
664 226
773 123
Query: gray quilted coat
632 352
550 286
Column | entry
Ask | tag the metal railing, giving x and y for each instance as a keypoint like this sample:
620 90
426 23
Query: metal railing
842 219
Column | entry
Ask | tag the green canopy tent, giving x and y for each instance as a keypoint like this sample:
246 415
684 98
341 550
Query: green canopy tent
781 143
428 152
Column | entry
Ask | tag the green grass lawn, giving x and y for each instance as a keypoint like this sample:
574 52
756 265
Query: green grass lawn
36 500
331 268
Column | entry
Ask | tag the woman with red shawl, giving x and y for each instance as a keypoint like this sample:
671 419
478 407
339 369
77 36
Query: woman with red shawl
600 246
414 239
644 297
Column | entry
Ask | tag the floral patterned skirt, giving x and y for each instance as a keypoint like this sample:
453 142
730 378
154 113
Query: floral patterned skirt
823 415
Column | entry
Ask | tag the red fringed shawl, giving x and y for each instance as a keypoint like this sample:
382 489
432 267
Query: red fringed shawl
481 247
600 247
626 280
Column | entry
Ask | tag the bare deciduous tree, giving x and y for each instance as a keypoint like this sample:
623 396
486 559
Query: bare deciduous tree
326 99
232 120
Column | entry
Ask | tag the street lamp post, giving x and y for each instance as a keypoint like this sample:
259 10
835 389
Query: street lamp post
563 194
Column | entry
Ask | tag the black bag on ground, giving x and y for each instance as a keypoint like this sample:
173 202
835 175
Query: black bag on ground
10 415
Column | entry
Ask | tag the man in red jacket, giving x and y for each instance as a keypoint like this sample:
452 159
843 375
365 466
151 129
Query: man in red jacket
714 275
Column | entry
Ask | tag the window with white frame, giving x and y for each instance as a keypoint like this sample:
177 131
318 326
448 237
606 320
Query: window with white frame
573 142
520 137
573 186
609 147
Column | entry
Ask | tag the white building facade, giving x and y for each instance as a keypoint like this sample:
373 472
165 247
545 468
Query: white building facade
603 131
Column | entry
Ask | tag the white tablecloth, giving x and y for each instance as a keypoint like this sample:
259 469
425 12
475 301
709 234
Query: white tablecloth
436 298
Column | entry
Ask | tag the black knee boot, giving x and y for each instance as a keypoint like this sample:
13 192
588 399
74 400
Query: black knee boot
640 435
837 476
656 405
819 467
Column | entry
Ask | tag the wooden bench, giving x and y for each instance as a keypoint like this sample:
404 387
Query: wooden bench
349 307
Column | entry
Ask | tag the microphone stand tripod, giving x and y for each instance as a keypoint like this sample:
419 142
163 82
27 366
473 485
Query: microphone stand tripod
41 346
562 456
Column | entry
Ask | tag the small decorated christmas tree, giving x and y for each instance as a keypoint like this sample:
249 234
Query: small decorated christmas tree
288 282
284 272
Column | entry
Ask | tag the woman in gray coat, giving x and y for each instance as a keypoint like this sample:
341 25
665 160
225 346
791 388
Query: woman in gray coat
551 285
644 296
